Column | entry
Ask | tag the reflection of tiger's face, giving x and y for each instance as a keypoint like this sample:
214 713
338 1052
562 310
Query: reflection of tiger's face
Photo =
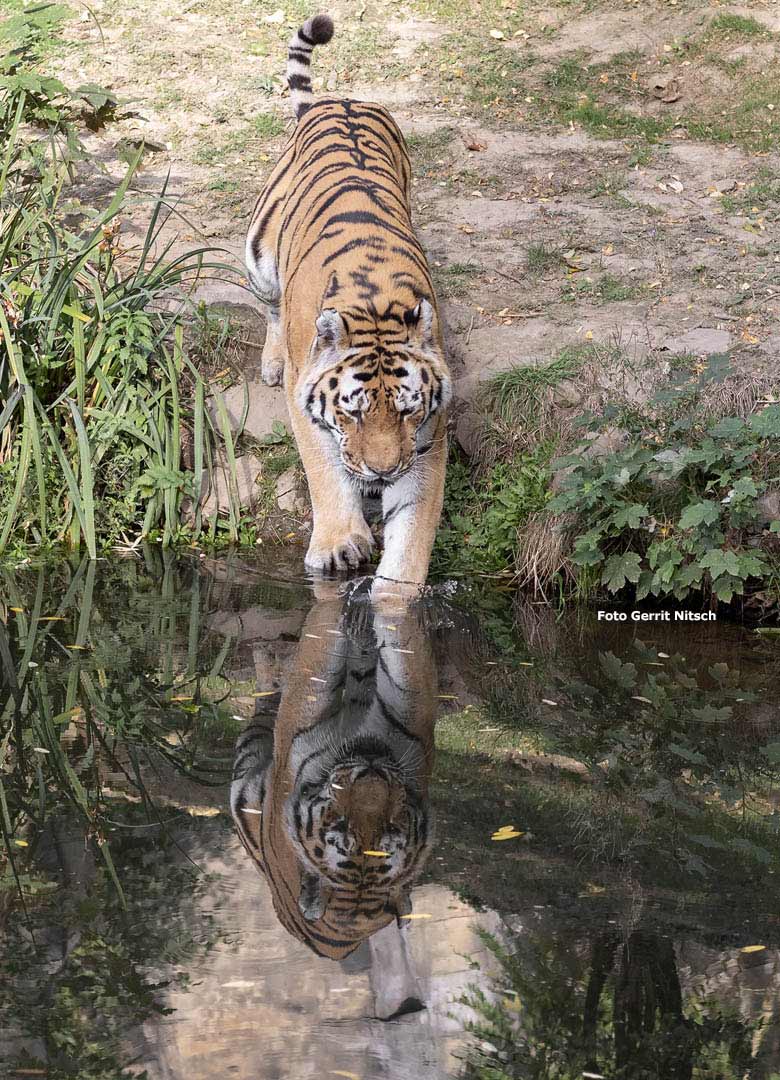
363 805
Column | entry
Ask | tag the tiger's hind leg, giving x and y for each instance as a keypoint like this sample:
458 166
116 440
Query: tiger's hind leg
264 277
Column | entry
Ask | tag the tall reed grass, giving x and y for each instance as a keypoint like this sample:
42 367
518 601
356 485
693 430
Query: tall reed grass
96 386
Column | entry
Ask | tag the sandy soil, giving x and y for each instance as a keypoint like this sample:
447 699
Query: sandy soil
543 232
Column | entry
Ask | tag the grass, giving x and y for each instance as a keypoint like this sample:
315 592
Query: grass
429 149
608 289
760 195
98 388
539 258
728 22
456 279
609 182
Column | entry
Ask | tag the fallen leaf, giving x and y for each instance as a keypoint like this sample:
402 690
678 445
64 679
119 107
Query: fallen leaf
474 145
52 618
505 836
378 854
276 18
264 693
417 915
75 646
745 949
18 610
546 701
497 35
182 697
637 697
608 249
23 843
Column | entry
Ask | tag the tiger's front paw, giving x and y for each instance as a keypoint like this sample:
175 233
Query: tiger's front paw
345 553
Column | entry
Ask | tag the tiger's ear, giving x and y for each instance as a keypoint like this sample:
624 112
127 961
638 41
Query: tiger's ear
331 328
419 321
310 900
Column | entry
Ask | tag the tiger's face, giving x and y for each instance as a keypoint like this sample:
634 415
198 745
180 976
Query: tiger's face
377 395
358 808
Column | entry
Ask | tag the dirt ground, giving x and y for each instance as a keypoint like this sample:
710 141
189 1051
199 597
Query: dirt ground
600 174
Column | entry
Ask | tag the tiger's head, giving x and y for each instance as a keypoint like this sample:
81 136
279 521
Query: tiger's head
377 394
361 821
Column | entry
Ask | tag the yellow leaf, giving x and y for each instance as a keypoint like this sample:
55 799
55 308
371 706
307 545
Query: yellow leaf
75 646
417 915
378 854
497 35
264 693
52 618
746 949
23 843
182 697
506 832
340 1072
18 610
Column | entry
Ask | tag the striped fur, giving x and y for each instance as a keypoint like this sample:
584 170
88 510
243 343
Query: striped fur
344 770
353 327
316 31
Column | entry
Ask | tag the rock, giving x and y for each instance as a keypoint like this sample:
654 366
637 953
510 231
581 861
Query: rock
768 506
257 624
567 395
606 442
700 342
248 470
468 426
725 185
267 405
601 445
288 496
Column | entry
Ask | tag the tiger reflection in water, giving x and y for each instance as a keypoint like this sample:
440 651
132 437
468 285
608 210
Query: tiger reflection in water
331 799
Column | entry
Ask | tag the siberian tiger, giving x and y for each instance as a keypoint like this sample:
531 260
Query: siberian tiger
341 774
353 329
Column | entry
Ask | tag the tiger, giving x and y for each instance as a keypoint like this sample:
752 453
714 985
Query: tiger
353 328
330 798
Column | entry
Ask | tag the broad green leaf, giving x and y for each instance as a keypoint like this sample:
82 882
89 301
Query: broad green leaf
701 513
619 569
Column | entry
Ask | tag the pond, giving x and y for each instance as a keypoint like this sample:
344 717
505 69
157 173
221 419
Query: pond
255 828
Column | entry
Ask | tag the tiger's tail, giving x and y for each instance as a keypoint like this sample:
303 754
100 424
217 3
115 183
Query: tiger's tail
315 31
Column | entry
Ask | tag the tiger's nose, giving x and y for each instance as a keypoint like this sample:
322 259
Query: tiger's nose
383 474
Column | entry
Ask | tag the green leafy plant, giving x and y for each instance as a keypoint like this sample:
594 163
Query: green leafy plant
677 517
97 391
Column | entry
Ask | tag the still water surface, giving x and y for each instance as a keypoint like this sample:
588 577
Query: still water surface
495 842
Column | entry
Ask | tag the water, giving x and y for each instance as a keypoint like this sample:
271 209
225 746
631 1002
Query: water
575 827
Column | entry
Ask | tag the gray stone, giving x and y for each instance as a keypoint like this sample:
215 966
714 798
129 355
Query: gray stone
248 471
768 506
267 405
288 495
256 624
700 342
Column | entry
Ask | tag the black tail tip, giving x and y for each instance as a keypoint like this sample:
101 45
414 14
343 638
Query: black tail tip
320 29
